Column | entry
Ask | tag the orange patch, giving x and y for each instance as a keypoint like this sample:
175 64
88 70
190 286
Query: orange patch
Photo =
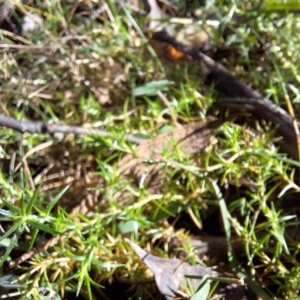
174 54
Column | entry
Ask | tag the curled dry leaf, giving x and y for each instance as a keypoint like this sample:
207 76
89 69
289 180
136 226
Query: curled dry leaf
170 274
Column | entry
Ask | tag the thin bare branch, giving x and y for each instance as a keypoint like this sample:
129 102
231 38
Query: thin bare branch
43 127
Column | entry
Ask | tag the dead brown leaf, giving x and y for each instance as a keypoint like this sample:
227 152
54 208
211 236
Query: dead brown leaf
170 274
144 167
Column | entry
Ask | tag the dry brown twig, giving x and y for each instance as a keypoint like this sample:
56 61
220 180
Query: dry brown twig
240 95
54 129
